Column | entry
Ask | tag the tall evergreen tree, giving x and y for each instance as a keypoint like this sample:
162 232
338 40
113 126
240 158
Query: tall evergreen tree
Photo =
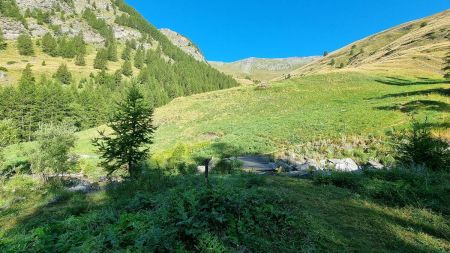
25 45
3 43
127 69
26 108
112 51
126 53
79 60
132 132
49 45
63 75
101 59
139 58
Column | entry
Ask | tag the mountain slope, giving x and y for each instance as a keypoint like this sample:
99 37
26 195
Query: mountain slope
101 23
415 47
262 69
184 44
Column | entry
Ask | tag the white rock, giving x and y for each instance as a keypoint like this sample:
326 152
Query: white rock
346 164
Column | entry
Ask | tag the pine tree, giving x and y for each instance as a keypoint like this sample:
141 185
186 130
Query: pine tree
126 53
112 51
79 60
139 58
101 59
3 43
25 45
63 75
127 69
79 44
49 45
133 130
26 109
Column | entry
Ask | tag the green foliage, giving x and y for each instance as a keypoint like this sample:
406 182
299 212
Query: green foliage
112 51
132 128
63 75
49 45
79 60
52 154
139 58
3 43
126 53
9 8
8 133
99 25
446 68
101 59
418 147
396 187
127 69
25 45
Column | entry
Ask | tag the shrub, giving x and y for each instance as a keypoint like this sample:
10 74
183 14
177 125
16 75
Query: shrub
52 153
417 146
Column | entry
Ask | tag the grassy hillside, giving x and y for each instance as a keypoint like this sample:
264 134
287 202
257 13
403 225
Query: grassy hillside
252 70
417 46
293 112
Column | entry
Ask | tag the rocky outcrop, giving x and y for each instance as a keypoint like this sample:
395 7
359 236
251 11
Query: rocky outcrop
46 5
11 28
184 44
125 33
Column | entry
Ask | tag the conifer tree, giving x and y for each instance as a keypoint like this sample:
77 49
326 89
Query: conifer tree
63 75
133 129
3 43
126 53
112 51
25 45
127 69
27 105
101 59
139 58
49 45
79 60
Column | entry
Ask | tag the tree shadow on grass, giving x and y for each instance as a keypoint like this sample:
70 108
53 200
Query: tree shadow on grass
404 82
417 105
439 91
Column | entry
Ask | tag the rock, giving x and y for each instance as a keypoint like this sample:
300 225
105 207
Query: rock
201 169
36 30
346 165
11 28
125 33
375 165
285 166
184 44
84 187
3 75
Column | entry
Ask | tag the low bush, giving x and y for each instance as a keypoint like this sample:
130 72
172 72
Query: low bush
396 187
418 147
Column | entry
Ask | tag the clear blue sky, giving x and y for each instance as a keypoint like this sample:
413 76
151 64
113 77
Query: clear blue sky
228 30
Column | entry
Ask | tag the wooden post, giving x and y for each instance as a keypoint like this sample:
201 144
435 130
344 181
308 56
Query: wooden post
207 161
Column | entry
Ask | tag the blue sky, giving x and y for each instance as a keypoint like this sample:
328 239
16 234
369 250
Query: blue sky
228 30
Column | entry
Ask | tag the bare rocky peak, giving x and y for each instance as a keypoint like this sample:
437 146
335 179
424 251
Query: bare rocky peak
184 44
276 64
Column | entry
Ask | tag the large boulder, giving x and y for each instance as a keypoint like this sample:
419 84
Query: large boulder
345 165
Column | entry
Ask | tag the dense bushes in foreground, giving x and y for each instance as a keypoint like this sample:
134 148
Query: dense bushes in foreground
160 214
